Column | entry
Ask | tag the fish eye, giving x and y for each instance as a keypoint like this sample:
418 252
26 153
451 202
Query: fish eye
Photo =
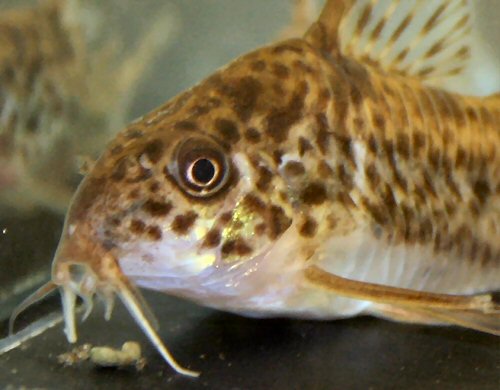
200 167
203 171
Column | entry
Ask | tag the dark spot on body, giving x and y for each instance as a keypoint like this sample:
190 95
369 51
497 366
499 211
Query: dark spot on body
359 123
278 221
200 110
403 145
460 158
243 94
137 226
325 170
258 66
302 66
344 177
345 199
379 122
154 150
280 120
154 233
134 194
114 221
400 180
213 102
304 146
418 141
226 217
372 144
324 98
281 71
228 130
323 135
294 168
425 230
389 200
154 187
372 175
376 212
236 247
356 96
277 156
157 209
212 239
183 223
252 135
434 157
186 126
264 180
308 228
482 190
253 203
344 144
314 194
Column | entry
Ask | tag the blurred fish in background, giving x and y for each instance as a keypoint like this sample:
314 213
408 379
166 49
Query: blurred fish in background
66 84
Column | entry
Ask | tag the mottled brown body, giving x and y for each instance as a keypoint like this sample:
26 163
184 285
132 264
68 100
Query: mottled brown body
428 174
304 180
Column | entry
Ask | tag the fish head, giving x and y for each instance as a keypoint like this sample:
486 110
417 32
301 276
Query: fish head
193 191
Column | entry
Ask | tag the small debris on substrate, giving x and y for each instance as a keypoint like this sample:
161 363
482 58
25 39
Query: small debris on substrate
129 355
75 356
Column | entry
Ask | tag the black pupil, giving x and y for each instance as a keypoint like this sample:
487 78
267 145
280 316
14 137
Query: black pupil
203 171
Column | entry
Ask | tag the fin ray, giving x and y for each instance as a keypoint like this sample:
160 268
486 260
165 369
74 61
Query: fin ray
426 40
477 312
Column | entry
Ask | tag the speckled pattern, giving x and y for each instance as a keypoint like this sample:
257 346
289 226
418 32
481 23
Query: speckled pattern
303 180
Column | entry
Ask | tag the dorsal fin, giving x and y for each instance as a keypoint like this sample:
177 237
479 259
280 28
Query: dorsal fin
430 40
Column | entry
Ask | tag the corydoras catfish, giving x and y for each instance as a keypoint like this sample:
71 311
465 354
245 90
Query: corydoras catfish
322 177
64 90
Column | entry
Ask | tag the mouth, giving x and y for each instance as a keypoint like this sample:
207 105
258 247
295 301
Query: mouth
79 280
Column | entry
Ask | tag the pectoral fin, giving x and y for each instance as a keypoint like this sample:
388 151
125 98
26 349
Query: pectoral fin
476 311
